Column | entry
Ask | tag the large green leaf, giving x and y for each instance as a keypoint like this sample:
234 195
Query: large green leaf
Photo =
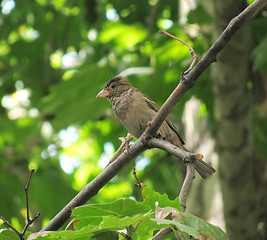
194 226
136 218
119 208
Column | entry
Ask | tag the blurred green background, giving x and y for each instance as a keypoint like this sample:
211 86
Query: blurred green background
56 55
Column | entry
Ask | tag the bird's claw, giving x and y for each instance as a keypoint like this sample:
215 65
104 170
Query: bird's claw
124 145
125 142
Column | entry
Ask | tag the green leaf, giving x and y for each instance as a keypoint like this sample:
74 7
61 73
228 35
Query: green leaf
111 235
144 226
147 228
181 227
195 227
116 223
93 213
8 234
102 220
151 197
82 234
205 227
121 207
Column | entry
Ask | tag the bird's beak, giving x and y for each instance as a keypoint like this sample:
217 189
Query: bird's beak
103 94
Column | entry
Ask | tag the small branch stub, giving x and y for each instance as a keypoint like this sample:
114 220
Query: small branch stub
194 55
190 48
199 156
138 184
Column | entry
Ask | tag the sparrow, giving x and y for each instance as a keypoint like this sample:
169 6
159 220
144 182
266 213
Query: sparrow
135 109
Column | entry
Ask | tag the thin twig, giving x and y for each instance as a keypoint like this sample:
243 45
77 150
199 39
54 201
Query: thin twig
190 48
139 184
190 174
26 189
195 56
28 220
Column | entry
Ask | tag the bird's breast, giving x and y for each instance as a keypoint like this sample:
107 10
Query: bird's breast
133 113
120 106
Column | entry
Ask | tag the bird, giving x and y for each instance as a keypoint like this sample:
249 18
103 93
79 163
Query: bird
135 110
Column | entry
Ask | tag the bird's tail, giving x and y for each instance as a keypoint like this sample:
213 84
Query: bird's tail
203 168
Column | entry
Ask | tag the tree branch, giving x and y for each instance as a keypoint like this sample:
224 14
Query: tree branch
186 82
165 110
174 150
190 175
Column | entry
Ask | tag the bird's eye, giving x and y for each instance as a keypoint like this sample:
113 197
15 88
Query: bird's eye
112 86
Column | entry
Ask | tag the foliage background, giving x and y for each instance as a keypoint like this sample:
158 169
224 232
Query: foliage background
57 55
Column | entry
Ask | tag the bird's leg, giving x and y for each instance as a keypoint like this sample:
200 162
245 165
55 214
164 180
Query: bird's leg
124 145
127 148
126 142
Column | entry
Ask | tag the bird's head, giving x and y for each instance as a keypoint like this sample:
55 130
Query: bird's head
115 87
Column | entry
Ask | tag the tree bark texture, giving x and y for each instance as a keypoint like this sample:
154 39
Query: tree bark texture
234 131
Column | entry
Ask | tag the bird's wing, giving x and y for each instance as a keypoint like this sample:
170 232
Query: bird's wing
155 107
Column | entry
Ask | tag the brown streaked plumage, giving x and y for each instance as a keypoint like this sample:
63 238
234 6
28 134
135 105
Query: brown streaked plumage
135 110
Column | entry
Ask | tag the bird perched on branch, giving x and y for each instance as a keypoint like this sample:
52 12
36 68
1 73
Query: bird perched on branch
135 110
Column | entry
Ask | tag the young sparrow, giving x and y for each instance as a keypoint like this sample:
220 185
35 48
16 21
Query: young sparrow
135 110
